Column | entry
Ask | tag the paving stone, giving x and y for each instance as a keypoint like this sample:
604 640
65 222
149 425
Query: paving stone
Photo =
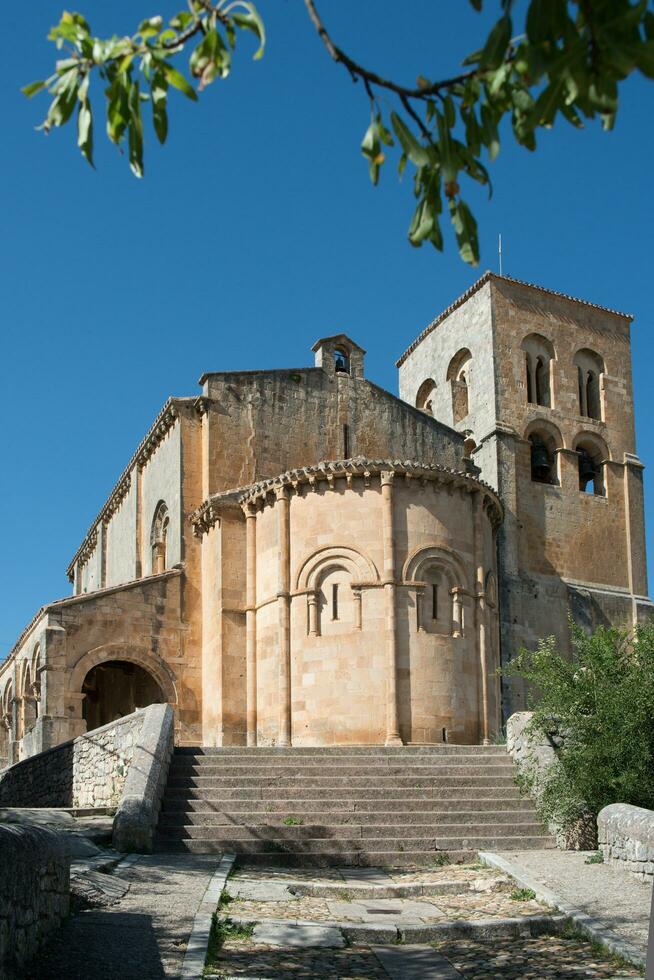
390 910
260 891
290 934
415 963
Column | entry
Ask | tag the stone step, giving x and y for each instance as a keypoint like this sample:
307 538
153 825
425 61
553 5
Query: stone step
374 762
301 834
372 750
403 805
325 781
422 817
377 850
276 769
375 792
341 858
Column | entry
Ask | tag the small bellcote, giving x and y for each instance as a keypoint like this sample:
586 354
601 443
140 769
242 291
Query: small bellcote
339 355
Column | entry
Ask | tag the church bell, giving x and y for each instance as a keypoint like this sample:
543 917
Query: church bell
540 462
586 468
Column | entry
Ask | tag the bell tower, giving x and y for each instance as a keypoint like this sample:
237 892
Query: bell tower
549 414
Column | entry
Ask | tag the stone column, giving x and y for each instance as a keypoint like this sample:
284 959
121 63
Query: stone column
457 602
480 599
392 708
312 599
284 609
251 621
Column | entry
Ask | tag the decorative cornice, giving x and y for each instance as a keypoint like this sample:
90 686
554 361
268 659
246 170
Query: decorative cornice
148 445
476 286
327 472
158 432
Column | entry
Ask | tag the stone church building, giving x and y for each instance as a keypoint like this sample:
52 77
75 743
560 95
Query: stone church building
298 557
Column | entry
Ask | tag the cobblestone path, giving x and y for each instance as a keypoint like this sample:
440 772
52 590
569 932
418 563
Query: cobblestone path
140 936
276 899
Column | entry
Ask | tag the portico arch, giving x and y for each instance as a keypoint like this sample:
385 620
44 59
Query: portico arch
152 665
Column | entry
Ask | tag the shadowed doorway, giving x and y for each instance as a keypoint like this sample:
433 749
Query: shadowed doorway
115 689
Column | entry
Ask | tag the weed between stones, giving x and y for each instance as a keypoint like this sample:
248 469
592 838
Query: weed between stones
292 821
597 858
222 930
522 894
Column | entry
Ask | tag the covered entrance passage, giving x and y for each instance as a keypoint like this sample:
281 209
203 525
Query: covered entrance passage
116 688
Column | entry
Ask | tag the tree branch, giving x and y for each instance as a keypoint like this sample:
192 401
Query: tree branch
372 78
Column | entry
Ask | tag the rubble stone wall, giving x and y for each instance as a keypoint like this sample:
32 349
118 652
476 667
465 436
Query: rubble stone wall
34 893
88 771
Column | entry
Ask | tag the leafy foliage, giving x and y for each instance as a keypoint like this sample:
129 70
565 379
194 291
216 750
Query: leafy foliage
139 69
566 60
600 699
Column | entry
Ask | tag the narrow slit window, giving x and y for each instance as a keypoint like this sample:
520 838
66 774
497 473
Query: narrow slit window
434 602
335 601
346 442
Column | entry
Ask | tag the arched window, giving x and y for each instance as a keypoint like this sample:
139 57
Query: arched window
544 440
425 396
341 361
159 538
591 455
590 371
441 582
330 578
458 375
539 354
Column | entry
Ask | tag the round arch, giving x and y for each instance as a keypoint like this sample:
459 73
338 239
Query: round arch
151 663
360 567
431 556
592 439
543 427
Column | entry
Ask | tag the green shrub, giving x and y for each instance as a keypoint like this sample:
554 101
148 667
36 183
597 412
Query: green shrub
522 894
600 700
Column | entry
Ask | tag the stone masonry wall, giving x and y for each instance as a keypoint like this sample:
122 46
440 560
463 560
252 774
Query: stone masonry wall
88 771
626 837
34 893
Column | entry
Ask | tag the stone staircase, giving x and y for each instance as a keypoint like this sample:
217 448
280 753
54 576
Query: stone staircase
346 806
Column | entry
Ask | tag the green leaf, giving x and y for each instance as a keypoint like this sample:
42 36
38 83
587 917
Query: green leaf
62 107
549 101
150 27
476 4
497 43
85 130
415 151
181 20
118 108
159 91
422 223
465 228
489 135
135 131
251 21
546 20
177 80
33 88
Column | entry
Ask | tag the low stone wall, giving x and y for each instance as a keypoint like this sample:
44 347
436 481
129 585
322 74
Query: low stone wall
136 820
34 893
625 835
534 753
88 771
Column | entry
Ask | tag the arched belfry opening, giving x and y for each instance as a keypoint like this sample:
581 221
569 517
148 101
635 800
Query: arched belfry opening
116 688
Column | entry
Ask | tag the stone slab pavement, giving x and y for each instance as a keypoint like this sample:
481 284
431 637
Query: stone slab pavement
613 904
141 936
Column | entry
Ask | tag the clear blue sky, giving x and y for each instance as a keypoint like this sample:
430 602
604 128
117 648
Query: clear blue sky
254 232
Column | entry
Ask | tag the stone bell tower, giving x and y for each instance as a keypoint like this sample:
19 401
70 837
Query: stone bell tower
540 384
